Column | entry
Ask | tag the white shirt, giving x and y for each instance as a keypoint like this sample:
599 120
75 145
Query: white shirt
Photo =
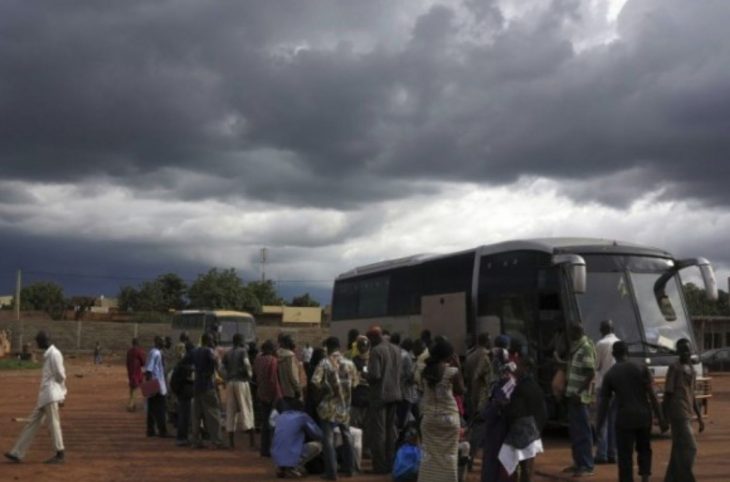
53 378
156 367
604 357
307 354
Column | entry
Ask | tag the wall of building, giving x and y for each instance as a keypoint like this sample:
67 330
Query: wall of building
711 332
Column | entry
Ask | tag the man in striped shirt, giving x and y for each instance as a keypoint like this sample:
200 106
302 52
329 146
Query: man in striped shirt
581 371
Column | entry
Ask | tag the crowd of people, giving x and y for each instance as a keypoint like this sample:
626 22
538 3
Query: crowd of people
409 406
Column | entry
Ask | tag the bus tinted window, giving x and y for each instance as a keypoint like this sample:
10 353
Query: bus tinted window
361 298
345 300
405 288
447 275
373 297
188 321
508 289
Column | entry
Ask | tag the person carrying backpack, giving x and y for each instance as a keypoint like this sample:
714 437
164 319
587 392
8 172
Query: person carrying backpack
181 383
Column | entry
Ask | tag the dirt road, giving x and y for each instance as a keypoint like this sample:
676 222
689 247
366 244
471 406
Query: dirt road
105 443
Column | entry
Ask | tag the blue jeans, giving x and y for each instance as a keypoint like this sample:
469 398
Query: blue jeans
581 435
328 450
607 438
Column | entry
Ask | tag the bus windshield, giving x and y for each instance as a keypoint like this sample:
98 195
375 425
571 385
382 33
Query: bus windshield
230 325
188 321
621 288
222 324
665 322
608 297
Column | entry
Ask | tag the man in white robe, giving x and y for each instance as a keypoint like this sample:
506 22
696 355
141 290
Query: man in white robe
51 395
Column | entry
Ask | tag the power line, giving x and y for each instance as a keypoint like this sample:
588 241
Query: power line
91 276
145 278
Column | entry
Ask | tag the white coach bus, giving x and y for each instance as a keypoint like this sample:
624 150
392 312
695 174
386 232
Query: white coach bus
530 290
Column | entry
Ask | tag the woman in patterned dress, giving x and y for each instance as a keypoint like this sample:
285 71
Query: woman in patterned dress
441 423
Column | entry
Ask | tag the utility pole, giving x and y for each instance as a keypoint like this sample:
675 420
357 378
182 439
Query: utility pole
18 282
263 265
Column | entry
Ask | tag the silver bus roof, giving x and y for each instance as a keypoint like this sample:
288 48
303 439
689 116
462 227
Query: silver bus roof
546 245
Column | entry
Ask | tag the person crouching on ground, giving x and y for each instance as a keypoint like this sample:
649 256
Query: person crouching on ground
289 450
50 397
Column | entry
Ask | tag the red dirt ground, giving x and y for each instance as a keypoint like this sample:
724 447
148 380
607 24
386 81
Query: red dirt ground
105 443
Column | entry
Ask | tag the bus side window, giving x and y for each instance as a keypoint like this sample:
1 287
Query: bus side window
508 289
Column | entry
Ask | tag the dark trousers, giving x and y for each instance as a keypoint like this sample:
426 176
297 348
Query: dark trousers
156 415
626 439
526 469
581 435
206 405
184 408
684 450
381 421
330 455
266 408
401 413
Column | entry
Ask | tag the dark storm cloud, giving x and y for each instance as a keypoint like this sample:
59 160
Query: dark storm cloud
336 103
85 266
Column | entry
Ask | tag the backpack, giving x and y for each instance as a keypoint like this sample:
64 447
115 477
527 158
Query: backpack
407 463
181 381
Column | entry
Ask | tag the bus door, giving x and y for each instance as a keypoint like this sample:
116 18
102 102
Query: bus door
507 296
446 315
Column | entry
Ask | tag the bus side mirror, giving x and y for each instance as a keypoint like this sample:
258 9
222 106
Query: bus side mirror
576 265
708 277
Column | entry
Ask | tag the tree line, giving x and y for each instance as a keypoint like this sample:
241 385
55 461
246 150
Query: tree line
216 289
699 305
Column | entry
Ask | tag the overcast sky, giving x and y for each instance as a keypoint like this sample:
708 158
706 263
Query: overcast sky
142 137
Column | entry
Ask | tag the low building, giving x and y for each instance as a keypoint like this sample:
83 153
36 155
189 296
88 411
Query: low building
103 304
6 301
290 315
711 332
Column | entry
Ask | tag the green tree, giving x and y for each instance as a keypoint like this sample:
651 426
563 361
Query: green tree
265 292
174 291
699 305
222 290
166 292
304 300
128 298
43 296
150 297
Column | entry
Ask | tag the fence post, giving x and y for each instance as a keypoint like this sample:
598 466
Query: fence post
78 335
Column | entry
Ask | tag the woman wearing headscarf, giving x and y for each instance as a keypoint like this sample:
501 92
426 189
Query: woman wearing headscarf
495 420
441 424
